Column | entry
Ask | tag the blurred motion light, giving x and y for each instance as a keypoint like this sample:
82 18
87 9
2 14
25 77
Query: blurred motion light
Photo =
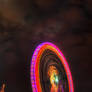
34 69
56 79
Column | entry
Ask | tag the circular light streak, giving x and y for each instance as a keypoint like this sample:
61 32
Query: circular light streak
34 69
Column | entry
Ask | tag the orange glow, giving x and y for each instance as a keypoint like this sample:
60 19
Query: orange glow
3 87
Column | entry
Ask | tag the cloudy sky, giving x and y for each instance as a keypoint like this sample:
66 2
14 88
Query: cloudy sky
26 23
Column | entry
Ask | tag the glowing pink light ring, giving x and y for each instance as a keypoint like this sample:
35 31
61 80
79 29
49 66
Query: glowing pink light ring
34 70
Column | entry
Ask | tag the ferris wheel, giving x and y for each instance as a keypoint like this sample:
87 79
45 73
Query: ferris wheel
49 70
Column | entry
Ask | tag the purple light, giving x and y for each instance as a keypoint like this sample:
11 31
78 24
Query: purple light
34 73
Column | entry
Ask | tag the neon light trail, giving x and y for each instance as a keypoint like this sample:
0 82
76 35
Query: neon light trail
49 70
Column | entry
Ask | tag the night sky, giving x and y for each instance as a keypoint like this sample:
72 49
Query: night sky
26 23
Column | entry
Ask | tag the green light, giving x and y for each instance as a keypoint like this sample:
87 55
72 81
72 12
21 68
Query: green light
56 79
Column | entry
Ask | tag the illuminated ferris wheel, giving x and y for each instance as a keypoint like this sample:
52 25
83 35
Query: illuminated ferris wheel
49 70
